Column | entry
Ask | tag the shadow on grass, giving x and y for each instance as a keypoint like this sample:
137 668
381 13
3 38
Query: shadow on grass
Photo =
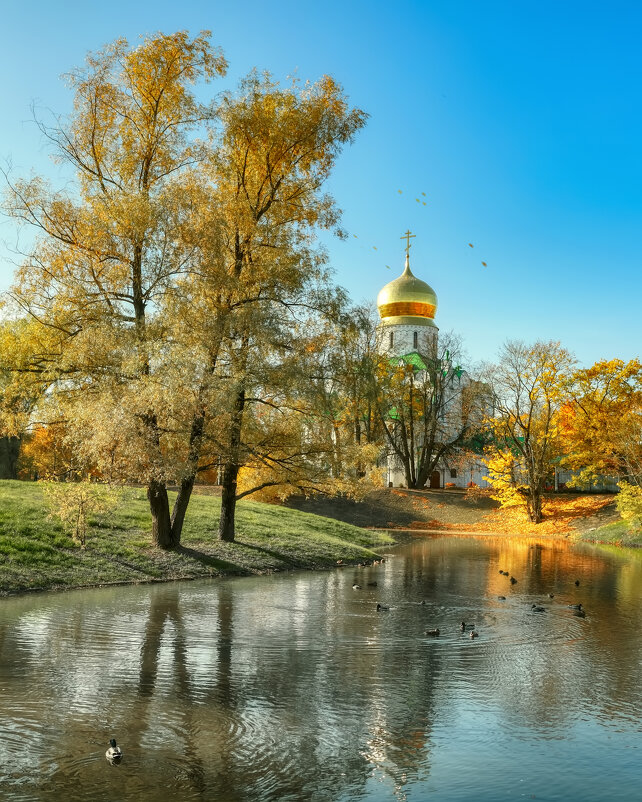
211 562
276 555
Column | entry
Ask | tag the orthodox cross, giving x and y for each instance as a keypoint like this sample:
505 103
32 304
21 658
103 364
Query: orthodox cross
407 236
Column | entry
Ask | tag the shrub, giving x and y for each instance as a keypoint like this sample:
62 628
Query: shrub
629 503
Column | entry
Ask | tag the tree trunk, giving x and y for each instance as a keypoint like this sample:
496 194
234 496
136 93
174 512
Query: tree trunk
159 507
228 503
534 505
187 483
180 508
9 453
231 471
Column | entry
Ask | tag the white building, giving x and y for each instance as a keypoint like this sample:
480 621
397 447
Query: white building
407 308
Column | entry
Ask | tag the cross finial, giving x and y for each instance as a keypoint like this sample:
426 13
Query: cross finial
408 236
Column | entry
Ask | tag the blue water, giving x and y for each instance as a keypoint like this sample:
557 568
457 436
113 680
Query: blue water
293 687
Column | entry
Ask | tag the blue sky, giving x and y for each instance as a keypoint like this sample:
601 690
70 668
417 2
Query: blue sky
521 123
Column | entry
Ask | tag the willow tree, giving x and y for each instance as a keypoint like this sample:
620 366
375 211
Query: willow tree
277 148
111 246
530 385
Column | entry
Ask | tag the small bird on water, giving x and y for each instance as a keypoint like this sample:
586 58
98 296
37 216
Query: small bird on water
432 632
114 753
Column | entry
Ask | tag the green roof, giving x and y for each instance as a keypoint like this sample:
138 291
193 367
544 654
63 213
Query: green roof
412 358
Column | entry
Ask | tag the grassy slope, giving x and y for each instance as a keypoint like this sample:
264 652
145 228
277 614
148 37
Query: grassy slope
617 533
36 553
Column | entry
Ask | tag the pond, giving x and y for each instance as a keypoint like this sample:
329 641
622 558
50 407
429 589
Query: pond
294 687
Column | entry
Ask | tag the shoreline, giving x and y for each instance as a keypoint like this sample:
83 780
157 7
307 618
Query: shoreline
37 556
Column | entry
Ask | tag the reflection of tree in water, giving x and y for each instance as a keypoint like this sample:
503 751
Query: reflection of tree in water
345 706
165 628
295 688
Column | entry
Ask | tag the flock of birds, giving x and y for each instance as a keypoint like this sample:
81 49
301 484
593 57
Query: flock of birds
578 609
422 201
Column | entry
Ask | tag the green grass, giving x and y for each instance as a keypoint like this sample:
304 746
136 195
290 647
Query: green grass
36 553
618 533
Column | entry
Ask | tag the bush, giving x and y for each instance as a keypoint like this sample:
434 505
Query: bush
629 503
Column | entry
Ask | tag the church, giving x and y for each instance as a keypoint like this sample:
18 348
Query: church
408 336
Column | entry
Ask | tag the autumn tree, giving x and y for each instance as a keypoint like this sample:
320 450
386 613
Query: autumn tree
277 148
25 352
112 246
602 430
338 363
428 407
530 385
601 423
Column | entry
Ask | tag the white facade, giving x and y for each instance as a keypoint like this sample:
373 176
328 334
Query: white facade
397 339
400 335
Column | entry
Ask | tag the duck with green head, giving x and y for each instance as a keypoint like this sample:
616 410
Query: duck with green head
114 754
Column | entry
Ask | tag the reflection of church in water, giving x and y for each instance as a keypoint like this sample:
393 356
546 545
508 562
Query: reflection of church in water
407 331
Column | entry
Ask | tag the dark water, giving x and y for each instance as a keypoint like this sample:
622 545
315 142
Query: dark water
295 688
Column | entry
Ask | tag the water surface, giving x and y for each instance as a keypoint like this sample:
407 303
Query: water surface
293 687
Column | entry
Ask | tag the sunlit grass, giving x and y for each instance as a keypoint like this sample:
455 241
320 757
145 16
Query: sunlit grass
619 533
35 552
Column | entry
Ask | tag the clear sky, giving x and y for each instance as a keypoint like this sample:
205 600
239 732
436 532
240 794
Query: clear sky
520 121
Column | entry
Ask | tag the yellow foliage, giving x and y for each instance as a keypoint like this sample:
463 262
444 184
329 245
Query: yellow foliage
629 503
502 476
75 503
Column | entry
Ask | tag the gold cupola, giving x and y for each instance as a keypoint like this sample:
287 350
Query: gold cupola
407 300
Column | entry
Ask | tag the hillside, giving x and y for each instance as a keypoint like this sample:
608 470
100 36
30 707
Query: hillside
36 554
591 517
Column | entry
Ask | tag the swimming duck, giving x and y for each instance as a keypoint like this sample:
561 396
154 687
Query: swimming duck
356 587
579 613
575 606
577 583
513 581
382 607
474 634
536 608
551 595
502 598
432 632
114 753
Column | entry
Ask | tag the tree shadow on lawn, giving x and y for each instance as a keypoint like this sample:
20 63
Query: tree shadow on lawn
224 566
284 559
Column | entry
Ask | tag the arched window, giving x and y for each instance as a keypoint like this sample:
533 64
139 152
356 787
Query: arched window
415 340
392 337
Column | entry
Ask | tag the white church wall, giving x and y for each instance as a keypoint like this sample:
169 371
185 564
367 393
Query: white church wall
403 339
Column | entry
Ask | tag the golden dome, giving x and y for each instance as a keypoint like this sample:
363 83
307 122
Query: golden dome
407 300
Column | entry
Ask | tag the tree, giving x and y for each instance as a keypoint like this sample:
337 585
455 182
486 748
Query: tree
601 423
428 407
530 384
22 349
111 248
277 149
